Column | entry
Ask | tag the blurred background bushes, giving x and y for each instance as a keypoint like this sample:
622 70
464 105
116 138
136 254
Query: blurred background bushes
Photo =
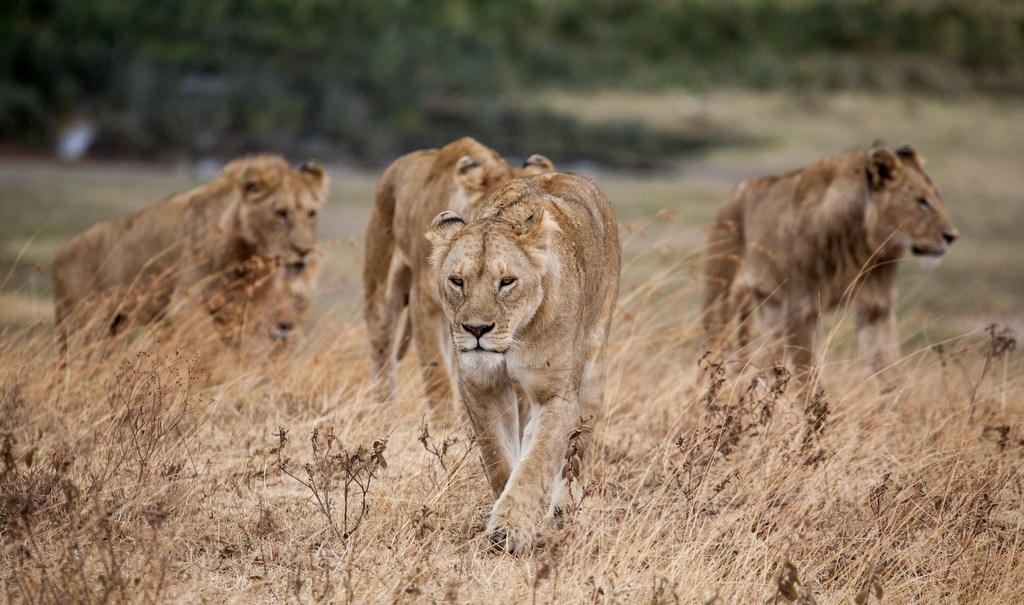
367 79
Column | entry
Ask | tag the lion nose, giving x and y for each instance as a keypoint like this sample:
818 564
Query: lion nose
282 331
302 250
477 331
950 236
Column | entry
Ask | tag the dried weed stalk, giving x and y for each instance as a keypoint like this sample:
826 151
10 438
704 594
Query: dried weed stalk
788 587
439 452
335 467
726 424
85 517
572 470
154 406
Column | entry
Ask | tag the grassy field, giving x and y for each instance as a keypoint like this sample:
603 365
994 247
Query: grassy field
148 472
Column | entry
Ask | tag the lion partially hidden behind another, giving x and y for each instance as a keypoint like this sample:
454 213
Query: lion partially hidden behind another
397 273
189 257
528 290
797 245
267 304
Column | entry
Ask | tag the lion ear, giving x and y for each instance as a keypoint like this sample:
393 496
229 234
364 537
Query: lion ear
907 153
537 164
535 233
882 168
443 229
252 183
469 173
317 175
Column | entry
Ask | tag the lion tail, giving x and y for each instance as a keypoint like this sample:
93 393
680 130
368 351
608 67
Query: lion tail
380 240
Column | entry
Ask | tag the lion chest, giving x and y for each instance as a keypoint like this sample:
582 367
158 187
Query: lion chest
540 378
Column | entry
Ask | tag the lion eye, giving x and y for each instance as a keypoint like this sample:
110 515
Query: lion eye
282 215
456 281
312 214
507 281
924 203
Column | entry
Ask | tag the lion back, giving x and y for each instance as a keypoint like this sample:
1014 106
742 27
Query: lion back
134 254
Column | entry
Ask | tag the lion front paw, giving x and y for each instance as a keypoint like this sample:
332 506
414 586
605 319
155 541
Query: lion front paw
511 533
515 541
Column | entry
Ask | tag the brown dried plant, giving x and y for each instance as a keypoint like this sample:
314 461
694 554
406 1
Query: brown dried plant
336 468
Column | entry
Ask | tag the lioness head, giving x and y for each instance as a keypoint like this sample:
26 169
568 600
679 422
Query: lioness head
907 211
288 298
279 210
490 276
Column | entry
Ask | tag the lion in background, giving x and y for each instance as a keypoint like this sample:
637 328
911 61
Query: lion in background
796 245
172 259
397 272
529 289
268 304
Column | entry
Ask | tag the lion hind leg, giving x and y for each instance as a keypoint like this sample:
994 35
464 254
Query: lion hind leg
382 311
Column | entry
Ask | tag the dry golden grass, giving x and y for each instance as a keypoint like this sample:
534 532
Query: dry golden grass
147 472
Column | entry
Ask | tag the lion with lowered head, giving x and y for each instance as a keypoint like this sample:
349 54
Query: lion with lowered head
828 235
290 298
174 258
397 275
528 289
268 304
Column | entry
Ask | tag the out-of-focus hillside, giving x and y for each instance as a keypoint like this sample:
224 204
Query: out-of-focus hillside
365 79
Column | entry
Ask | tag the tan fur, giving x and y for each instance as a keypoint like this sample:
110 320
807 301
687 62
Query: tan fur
528 290
290 303
269 303
797 245
397 273
174 258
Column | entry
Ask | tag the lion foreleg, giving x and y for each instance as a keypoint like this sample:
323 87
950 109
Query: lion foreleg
800 337
494 414
773 319
526 498
878 337
188 317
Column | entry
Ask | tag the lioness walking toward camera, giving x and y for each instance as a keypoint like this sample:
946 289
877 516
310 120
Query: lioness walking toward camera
528 289
797 245
397 272
181 257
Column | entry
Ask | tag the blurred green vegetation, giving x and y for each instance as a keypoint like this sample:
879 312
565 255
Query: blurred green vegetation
369 78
